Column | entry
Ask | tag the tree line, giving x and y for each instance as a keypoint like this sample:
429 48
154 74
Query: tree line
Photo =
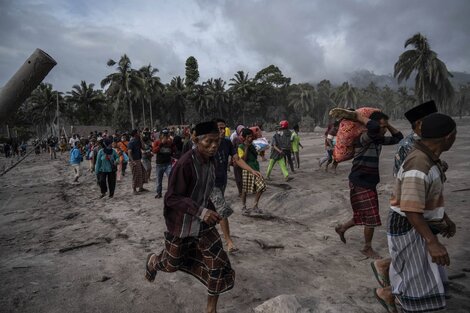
135 98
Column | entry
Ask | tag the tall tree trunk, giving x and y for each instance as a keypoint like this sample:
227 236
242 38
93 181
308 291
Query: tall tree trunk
143 113
151 114
130 111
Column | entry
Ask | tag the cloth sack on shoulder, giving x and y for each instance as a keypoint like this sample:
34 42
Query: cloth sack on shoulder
348 132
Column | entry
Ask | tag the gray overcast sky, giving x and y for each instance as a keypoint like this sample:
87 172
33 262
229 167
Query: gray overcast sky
308 40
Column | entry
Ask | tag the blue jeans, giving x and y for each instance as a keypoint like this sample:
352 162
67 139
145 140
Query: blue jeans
161 170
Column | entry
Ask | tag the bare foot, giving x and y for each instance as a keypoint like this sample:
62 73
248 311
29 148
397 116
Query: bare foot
340 231
370 253
386 299
231 247
150 272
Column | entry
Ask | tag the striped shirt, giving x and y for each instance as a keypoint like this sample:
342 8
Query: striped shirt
365 169
404 147
419 185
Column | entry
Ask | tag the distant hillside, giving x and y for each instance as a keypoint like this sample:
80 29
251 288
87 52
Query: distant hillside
363 78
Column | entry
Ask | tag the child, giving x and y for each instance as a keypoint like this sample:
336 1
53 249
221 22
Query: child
250 183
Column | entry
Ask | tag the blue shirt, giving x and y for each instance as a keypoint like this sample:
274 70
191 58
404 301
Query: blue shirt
75 156
103 161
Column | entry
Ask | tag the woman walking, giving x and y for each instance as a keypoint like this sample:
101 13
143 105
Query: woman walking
106 167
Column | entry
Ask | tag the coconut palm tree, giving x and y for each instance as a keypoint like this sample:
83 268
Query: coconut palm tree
432 77
153 88
301 98
347 96
123 84
217 94
325 100
86 101
177 93
241 88
201 101
43 103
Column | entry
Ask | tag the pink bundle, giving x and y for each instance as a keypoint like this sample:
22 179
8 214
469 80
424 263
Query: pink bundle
348 132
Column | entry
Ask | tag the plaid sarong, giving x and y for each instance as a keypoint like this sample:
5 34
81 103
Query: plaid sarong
416 281
137 170
251 183
365 205
202 257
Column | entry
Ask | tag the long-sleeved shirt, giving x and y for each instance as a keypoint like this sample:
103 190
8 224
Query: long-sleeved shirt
75 156
404 147
187 199
103 161
163 151
365 168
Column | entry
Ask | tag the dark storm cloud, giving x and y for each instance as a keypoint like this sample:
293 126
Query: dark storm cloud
300 35
81 50
308 40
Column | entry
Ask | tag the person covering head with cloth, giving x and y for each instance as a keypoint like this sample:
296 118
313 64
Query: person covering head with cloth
417 216
251 183
192 243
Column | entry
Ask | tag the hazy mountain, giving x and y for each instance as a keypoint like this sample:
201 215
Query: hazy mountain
363 78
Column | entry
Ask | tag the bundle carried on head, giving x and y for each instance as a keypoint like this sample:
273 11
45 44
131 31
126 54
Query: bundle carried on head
348 131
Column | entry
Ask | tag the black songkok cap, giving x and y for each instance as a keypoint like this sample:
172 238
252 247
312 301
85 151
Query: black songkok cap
420 111
206 128
437 125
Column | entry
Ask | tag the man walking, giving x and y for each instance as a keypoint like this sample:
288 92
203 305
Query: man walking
285 143
164 149
135 159
225 150
364 176
192 243
417 216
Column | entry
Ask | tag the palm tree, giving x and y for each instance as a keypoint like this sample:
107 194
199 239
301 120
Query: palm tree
44 102
432 77
325 101
86 101
177 92
301 98
124 83
347 96
201 100
217 94
153 88
242 88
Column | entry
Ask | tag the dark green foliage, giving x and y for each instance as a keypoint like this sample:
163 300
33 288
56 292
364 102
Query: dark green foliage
192 71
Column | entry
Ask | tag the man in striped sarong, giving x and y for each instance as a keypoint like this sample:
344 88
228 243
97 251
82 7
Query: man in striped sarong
192 243
417 215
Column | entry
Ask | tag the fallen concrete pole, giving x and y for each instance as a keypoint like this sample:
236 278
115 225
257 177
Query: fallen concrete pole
25 80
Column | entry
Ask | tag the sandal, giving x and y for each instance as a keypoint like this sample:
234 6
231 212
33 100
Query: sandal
149 274
381 279
390 307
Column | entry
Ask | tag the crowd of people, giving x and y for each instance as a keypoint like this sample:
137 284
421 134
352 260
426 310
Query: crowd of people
197 161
